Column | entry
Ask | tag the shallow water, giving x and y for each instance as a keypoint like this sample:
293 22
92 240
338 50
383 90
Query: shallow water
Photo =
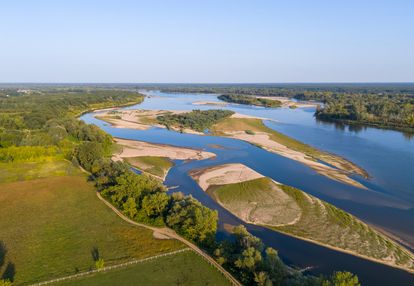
386 155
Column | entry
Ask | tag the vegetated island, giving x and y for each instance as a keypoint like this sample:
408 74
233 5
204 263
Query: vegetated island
247 128
250 100
259 200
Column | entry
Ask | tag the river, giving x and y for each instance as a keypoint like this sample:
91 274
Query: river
388 156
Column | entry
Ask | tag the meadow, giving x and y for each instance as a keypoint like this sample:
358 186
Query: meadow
185 268
53 225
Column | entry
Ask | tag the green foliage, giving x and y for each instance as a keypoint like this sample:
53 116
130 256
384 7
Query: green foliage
370 109
154 205
250 100
5 282
99 264
87 153
193 220
196 120
27 153
342 278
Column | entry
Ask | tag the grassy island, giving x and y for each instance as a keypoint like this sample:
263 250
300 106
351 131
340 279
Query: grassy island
289 210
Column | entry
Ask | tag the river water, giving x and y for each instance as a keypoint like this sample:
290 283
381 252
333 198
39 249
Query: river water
388 156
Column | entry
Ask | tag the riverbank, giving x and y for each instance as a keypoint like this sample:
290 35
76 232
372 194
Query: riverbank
281 208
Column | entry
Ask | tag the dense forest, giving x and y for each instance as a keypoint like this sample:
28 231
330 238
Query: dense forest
249 100
43 126
196 120
384 111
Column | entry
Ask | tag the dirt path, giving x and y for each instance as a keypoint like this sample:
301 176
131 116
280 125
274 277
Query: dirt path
167 232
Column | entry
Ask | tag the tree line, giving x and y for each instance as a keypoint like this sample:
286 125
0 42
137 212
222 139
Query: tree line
198 120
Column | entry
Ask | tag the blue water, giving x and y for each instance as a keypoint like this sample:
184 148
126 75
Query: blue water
386 155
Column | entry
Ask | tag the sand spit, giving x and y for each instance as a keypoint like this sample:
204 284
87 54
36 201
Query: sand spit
224 174
263 140
133 148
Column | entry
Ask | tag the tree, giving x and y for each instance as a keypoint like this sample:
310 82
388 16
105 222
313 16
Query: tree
193 220
5 282
87 153
99 264
155 204
130 207
342 278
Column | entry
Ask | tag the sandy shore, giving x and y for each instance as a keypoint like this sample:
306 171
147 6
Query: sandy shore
224 174
133 148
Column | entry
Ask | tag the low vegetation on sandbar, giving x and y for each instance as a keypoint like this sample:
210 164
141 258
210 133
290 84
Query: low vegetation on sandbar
156 166
250 100
289 210
254 131
186 268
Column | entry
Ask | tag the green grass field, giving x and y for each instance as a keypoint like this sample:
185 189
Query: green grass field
158 166
253 125
52 222
186 268
22 171
260 201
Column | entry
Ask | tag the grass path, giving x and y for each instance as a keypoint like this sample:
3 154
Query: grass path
165 231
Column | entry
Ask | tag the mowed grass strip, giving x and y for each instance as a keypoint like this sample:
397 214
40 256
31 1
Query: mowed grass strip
52 226
186 268
158 166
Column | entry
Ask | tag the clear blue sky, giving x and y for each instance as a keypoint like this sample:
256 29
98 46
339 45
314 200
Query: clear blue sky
206 41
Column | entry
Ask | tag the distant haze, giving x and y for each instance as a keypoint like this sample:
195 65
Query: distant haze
206 41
